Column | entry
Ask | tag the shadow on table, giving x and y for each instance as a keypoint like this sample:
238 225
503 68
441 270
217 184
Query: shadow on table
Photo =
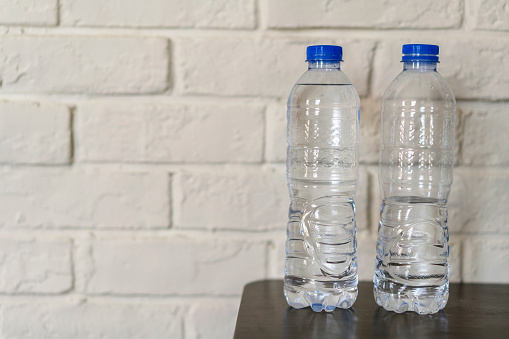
305 323
409 325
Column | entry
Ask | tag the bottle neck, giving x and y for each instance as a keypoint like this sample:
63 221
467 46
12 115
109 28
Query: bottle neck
323 64
423 66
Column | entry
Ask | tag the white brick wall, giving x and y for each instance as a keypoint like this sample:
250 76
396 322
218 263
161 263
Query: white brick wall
142 150
365 13
488 14
35 265
29 12
231 197
146 132
95 65
90 320
157 13
269 67
83 198
175 265
34 133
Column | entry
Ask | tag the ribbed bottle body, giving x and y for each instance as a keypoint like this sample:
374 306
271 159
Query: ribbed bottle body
322 174
415 176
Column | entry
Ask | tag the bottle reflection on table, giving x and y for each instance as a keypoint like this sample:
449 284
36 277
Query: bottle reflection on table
304 323
409 325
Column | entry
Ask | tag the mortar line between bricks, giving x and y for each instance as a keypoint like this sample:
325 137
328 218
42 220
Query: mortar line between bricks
266 259
72 251
72 129
77 297
482 101
264 134
153 165
370 71
462 255
163 98
460 133
139 30
501 170
369 214
170 77
165 233
135 234
59 10
461 24
175 32
171 201
123 296
257 14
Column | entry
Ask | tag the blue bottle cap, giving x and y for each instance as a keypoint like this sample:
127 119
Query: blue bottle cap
420 52
324 52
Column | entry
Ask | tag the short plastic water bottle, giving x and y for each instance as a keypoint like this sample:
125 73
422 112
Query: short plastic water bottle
416 165
322 173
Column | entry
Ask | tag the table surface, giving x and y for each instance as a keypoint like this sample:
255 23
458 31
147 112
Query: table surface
473 311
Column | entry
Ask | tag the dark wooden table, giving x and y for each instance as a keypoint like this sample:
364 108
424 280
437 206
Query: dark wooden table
473 311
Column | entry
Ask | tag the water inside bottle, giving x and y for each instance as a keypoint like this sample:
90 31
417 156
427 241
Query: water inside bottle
322 171
411 269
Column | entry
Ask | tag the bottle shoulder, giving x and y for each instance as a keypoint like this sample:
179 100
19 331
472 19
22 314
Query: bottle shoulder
420 86
324 88
324 77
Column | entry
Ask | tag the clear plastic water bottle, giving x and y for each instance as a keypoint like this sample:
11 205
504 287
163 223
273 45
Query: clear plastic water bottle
416 165
322 173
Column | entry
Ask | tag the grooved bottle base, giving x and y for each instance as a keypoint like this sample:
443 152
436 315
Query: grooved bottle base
401 298
320 296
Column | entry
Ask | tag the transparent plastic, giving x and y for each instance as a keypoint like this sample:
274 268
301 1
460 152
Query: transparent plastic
322 174
416 169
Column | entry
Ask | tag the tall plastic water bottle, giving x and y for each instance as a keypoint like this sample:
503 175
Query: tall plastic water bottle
322 173
416 163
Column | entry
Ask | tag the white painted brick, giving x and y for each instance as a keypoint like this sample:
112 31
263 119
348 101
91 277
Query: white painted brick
179 265
53 197
212 319
489 14
482 73
35 266
361 200
484 134
268 67
478 201
276 255
486 260
158 13
455 258
375 198
276 144
144 132
364 13
229 197
90 320
83 65
369 143
34 133
29 12
366 252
